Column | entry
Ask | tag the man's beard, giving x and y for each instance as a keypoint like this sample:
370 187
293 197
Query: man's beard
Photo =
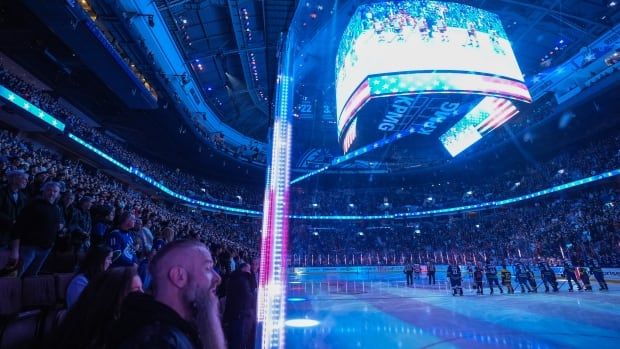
207 320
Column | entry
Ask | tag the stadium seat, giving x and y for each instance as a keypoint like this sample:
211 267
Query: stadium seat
4 257
20 331
10 296
62 282
38 291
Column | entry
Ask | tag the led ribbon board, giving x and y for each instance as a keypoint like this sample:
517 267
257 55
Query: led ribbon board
475 207
33 110
59 125
424 66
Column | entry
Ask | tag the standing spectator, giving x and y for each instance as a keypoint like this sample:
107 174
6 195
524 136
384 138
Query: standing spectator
80 226
147 235
183 311
136 235
239 311
102 221
12 201
97 260
121 241
40 178
66 206
35 230
164 237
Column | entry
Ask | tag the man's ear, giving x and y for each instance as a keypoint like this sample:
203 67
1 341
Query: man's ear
178 276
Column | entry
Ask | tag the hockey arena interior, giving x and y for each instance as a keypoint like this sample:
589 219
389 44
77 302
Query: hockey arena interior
247 174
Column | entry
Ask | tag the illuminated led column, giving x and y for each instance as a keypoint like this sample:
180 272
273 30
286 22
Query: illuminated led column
272 277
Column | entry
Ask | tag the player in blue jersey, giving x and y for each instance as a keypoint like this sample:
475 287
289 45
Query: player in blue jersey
491 274
597 271
569 274
454 274
521 275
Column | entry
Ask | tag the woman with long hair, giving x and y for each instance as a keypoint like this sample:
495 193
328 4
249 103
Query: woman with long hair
87 322
97 260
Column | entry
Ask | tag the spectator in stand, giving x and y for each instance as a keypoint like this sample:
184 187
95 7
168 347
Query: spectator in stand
102 219
12 201
80 226
36 186
136 235
183 312
238 234
87 323
97 260
164 237
121 241
35 231
239 312
147 235
66 206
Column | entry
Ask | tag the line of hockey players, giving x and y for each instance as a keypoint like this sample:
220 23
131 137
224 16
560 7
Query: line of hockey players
526 279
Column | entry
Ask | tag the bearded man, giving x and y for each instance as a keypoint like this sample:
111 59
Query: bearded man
183 310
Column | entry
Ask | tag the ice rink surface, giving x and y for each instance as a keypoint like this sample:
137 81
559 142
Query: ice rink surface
380 311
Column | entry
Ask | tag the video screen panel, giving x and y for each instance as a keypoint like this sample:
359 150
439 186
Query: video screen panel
410 37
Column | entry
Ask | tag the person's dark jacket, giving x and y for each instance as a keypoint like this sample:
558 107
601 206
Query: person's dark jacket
239 296
80 225
146 323
37 224
9 210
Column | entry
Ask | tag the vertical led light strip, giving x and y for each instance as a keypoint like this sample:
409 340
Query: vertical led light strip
272 278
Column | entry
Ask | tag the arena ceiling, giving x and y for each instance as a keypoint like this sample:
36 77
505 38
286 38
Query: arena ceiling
231 46
231 49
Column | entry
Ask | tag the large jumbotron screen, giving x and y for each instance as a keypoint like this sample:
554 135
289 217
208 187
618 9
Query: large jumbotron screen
431 68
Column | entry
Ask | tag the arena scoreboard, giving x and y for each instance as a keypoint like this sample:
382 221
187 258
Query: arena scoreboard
433 69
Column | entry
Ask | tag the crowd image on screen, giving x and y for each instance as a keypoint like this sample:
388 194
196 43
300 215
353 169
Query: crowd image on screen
396 21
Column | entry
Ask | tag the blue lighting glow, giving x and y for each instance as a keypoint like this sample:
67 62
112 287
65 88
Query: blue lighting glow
301 323
40 114
33 110
475 207
296 299
160 186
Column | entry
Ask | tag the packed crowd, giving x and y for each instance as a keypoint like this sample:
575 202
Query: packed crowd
464 187
193 186
33 166
582 225
52 208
